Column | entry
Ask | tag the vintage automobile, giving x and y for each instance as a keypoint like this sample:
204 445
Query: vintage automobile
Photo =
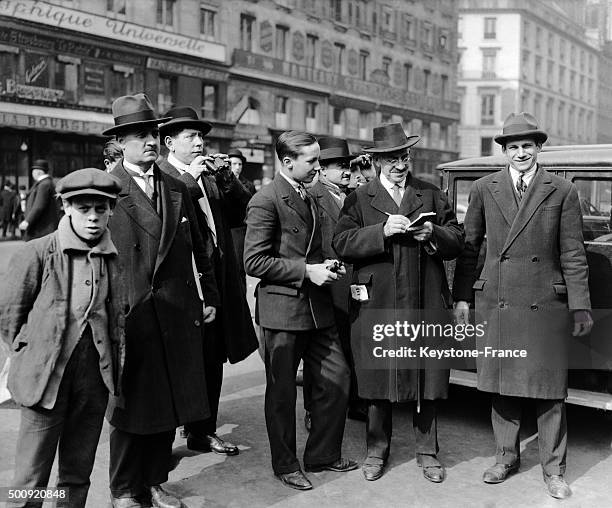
589 167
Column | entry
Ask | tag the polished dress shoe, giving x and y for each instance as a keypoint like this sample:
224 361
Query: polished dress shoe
307 421
433 470
295 480
557 486
499 472
126 502
341 465
162 499
211 443
372 472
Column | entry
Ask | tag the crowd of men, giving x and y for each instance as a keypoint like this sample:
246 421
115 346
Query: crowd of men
130 307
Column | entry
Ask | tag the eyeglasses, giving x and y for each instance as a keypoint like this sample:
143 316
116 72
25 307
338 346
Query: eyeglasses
394 161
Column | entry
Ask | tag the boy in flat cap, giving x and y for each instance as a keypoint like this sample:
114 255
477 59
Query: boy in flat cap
61 313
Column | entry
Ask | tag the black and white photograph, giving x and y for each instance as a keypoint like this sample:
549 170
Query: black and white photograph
305 253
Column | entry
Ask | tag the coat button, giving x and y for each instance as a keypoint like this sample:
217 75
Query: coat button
295 230
534 307
137 246
535 259
502 305
196 322
88 283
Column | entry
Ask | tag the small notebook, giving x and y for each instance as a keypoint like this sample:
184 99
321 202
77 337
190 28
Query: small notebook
422 219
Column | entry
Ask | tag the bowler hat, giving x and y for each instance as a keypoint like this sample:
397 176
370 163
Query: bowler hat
183 118
521 125
41 164
234 152
333 149
88 181
389 138
132 111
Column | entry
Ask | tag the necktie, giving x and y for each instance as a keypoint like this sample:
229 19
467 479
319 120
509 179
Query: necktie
396 194
302 192
149 187
521 186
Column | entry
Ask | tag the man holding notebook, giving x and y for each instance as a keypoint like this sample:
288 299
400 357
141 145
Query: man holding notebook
398 269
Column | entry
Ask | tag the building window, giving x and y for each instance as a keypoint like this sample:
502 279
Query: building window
374 22
67 77
122 81
562 49
426 81
311 49
387 19
426 134
408 76
562 78
538 38
364 125
486 146
207 22
525 64
551 44
550 74
444 86
311 116
460 28
338 125
427 36
561 118
487 109
386 65
489 63
281 42
538 69
443 137
408 28
115 7
526 30
8 66
340 49
548 120
246 32
166 92
490 28
165 12
364 56
336 10
281 112
209 100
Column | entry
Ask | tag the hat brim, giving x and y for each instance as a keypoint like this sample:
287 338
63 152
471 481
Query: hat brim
336 158
241 157
412 140
199 125
117 129
538 135
87 192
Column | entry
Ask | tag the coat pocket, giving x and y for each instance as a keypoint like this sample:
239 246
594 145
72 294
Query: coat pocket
560 289
479 284
281 290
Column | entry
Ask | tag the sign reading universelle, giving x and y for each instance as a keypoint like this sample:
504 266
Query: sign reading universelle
71 19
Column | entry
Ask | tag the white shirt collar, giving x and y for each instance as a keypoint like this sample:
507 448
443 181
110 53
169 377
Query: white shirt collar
389 185
527 175
177 163
137 169
294 184
44 175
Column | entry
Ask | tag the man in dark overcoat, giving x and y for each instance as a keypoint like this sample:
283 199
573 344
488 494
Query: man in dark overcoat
535 269
397 268
220 201
155 229
294 308
42 210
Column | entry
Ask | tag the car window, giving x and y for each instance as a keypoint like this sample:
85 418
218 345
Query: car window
596 205
462 193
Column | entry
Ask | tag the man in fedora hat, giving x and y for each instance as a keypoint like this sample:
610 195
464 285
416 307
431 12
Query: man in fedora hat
237 162
294 309
62 314
156 232
329 193
42 213
220 201
396 268
535 270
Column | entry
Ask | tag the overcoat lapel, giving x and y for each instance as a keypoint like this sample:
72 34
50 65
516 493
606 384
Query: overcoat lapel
381 200
540 188
135 202
411 201
326 201
503 193
293 200
171 203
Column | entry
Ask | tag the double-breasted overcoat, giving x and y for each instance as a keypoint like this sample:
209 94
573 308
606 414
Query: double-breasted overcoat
389 268
535 269
42 209
164 371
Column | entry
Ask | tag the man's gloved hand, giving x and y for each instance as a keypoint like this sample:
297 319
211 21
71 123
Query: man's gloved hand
209 313
583 323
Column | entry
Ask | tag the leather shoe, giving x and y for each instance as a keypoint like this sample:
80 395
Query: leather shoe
433 470
296 480
557 486
307 421
341 465
372 472
126 502
162 499
211 443
499 472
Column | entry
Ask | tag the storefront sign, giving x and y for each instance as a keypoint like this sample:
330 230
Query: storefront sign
46 118
36 93
33 41
116 29
188 70
94 78
339 83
